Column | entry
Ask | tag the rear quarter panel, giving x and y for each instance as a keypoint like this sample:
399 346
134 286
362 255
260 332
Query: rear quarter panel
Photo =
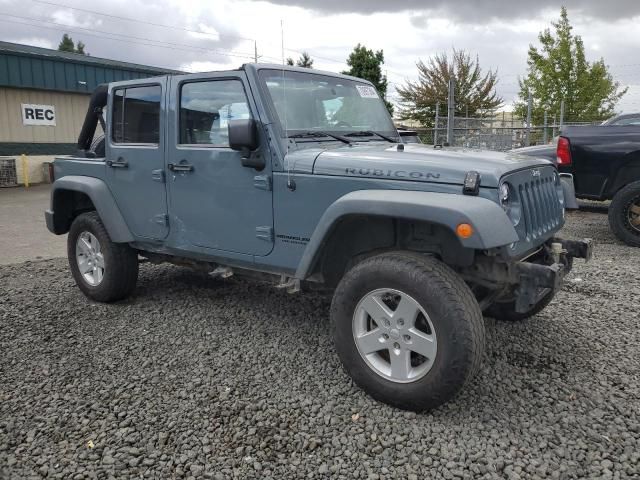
604 158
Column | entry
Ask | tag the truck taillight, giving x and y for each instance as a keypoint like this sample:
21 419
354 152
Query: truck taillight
563 151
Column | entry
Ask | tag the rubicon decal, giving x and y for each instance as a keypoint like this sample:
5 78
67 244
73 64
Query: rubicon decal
371 172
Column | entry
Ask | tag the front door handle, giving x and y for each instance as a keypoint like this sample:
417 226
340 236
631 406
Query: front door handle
180 167
120 163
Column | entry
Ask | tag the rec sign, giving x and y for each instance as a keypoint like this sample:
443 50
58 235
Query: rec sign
38 114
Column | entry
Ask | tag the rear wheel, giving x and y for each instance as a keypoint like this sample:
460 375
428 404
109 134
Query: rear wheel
624 214
103 270
407 329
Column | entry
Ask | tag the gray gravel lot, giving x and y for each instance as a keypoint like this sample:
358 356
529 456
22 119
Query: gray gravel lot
230 379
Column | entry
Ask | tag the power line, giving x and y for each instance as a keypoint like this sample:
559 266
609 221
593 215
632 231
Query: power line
111 38
198 31
161 42
129 19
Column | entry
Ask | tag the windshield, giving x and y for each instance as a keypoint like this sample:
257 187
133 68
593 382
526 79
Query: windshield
623 120
313 102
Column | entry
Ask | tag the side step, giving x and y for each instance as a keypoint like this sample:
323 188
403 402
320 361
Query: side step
292 285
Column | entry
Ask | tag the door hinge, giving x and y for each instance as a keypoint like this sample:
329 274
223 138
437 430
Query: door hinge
161 219
265 233
158 176
263 182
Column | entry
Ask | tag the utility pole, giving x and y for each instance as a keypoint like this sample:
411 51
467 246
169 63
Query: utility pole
435 129
561 114
255 51
527 140
451 106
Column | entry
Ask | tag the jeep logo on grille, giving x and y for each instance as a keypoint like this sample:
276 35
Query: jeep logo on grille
535 173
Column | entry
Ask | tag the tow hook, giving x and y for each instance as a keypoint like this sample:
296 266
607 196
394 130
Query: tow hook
557 249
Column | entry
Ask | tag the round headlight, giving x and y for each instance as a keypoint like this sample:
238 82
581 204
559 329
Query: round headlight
504 194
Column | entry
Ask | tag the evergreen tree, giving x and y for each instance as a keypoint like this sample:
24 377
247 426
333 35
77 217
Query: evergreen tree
367 64
66 44
559 71
305 61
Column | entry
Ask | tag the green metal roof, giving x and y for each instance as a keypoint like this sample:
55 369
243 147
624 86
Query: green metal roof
24 66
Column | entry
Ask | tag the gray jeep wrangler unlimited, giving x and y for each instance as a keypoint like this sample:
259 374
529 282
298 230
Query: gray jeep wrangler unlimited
301 174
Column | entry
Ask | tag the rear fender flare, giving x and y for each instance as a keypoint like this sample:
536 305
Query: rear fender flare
492 227
102 199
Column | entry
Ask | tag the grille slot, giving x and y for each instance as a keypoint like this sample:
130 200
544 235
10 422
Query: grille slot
541 211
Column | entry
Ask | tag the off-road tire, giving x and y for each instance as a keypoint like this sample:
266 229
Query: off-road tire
120 260
452 309
619 214
506 311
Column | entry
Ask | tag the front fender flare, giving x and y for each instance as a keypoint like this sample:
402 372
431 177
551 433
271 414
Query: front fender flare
102 199
492 227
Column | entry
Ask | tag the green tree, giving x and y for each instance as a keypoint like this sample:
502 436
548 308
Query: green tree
559 70
305 61
475 91
367 64
67 45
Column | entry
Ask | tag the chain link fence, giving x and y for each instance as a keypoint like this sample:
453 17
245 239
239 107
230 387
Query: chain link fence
500 132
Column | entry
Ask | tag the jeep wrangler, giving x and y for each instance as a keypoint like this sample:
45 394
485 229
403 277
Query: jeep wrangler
301 175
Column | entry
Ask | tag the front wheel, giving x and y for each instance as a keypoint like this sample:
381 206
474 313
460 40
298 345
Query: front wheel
624 214
407 329
105 271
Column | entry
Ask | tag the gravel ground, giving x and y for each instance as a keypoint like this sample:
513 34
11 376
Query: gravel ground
195 377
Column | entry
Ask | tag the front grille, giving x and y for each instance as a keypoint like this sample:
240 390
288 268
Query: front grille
541 208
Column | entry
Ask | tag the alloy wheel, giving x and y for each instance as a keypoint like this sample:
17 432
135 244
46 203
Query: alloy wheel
394 335
90 258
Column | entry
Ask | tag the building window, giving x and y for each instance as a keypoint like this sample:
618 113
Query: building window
207 107
136 115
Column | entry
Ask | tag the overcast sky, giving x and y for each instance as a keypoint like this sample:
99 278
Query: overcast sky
220 34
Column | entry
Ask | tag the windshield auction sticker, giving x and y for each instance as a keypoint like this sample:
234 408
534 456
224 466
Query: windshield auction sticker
366 91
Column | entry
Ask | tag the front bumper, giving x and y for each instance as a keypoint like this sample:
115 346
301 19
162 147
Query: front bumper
536 278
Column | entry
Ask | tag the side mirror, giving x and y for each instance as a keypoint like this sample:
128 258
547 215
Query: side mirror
243 137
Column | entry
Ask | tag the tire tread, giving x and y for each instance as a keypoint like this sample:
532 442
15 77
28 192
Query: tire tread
455 294
123 261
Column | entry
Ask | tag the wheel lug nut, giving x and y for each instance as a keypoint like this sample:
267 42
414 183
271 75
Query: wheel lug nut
406 338
400 322
385 336
396 346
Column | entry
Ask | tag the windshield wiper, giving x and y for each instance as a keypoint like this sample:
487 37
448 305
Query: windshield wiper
369 133
321 134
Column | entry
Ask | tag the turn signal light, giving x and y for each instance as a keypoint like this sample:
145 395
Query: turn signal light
563 151
464 230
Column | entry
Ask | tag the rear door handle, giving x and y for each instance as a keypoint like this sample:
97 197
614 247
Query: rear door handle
180 167
120 163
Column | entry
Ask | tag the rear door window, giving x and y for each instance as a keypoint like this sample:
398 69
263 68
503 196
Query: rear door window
136 115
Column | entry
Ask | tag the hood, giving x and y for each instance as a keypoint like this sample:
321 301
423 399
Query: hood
417 162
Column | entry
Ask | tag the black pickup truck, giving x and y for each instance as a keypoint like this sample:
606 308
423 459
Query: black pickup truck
604 161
